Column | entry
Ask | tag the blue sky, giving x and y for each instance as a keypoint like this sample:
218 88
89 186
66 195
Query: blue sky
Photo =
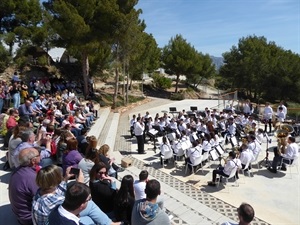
214 26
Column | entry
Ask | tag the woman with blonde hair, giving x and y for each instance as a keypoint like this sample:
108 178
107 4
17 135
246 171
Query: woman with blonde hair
91 157
112 168
14 141
51 194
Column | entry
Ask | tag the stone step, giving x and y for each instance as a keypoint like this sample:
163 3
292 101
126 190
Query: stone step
109 131
98 126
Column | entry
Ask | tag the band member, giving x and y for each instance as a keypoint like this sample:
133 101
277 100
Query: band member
268 113
139 128
280 114
225 171
253 146
246 156
284 108
289 156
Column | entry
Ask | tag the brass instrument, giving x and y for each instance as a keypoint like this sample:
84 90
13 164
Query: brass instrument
287 127
281 140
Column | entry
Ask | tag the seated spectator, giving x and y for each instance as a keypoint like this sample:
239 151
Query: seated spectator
51 194
147 211
245 214
140 185
91 157
28 141
25 112
76 200
82 141
11 122
14 141
103 188
71 156
22 186
62 145
112 168
124 200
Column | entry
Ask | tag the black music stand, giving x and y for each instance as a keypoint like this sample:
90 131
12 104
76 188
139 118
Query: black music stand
173 110
266 159
152 134
194 108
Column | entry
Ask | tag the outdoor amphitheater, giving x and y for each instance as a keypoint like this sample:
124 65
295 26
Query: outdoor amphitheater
187 197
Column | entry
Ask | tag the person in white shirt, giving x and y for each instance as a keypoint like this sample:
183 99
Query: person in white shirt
139 128
165 148
193 153
284 108
245 214
291 154
132 122
253 146
280 114
268 113
247 107
140 185
246 156
225 171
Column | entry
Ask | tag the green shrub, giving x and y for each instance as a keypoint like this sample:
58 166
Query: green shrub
42 61
177 96
161 81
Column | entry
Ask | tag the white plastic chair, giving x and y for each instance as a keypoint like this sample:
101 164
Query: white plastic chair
232 175
180 153
167 155
290 164
256 160
248 172
198 161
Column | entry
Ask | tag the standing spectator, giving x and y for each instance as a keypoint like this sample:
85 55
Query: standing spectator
245 214
15 92
139 128
2 96
22 186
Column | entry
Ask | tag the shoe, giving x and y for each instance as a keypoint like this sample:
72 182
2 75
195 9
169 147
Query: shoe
120 169
283 168
272 170
211 184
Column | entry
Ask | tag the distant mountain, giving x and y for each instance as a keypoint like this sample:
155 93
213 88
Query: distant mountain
218 61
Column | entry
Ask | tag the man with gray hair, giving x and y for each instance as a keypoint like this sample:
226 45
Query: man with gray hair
22 186
28 141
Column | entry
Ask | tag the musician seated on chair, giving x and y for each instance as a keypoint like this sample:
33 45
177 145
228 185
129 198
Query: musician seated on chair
164 148
231 163
291 154
246 156
231 130
193 153
253 146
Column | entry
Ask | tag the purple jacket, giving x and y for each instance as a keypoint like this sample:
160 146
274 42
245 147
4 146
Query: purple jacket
71 158
22 188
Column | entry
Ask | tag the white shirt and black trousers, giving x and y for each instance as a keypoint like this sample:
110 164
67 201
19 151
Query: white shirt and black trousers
139 128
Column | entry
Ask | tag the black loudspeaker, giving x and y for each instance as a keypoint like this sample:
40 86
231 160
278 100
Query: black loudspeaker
194 108
172 109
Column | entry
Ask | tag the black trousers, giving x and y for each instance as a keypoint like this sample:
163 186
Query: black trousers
140 142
